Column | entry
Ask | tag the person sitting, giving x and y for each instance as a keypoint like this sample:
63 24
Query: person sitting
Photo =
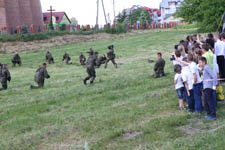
159 66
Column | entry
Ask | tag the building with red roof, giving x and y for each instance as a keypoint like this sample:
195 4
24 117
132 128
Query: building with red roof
57 18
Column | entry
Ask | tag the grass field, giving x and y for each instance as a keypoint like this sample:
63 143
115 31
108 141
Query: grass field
125 109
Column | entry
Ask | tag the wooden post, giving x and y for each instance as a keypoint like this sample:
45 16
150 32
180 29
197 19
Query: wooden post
19 29
135 26
78 27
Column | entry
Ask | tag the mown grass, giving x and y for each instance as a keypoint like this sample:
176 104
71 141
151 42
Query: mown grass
66 114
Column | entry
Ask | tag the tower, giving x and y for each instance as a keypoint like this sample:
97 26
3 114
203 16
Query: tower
15 13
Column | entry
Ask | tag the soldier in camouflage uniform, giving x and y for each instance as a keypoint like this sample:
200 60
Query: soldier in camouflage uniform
40 76
49 57
159 67
4 76
100 60
91 63
111 56
67 58
82 59
16 60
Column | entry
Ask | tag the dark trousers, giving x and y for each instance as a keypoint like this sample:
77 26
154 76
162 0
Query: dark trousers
221 64
191 101
198 97
4 86
209 102
112 60
16 62
40 85
91 75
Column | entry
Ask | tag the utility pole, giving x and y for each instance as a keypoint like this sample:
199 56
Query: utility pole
104 11
97 14
51 23
114 11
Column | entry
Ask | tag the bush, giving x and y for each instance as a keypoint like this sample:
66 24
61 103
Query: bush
119 28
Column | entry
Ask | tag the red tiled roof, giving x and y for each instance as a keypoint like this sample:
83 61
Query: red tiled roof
59 16
152 10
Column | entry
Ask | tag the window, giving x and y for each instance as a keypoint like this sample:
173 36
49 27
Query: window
45 18
57 18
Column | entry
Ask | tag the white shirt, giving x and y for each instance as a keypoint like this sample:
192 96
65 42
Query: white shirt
179 82
194 70
219 48
187 76
215 64
176 62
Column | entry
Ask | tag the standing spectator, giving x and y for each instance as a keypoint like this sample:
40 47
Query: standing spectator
187 77
208 86
208 54
219 52
210 40
179 86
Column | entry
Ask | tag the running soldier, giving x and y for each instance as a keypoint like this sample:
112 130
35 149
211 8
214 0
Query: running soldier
111 56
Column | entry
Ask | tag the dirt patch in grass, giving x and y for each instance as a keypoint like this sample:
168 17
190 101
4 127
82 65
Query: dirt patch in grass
131 135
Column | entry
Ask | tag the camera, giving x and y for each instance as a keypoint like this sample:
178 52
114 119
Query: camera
172 58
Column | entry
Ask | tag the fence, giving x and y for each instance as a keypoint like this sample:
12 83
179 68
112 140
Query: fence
33 29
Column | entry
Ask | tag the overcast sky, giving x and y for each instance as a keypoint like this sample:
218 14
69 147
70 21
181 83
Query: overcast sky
85 10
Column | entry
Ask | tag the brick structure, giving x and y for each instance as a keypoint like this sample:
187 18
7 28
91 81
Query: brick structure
14 13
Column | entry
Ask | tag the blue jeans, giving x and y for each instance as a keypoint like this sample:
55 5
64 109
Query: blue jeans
180 93
191 101
198 98
209 102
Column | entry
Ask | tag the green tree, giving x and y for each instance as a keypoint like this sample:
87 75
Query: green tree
141 15
207 13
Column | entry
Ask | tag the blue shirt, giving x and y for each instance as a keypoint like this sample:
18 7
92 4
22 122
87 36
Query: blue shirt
208 74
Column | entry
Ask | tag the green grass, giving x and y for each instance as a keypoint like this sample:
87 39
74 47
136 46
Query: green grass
66 114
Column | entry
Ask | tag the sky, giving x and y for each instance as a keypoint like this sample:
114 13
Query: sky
85 10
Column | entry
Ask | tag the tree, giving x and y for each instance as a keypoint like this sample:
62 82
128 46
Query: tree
142 15
207 13
74 21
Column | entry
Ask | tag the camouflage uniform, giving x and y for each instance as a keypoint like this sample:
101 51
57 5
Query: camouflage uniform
49 57
82 59
159 68
111 56
91 63
39 78
4 77
100 60
16 60
67 58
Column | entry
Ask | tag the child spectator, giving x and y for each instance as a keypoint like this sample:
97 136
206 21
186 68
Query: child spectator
179 86
196 84
208 85
178 57
187 77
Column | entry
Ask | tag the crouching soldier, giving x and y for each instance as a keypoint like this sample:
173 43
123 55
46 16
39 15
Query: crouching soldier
16 60
100 60
49 57
159 67
66 58
4 76
111 56
40 76
91 62
82 59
